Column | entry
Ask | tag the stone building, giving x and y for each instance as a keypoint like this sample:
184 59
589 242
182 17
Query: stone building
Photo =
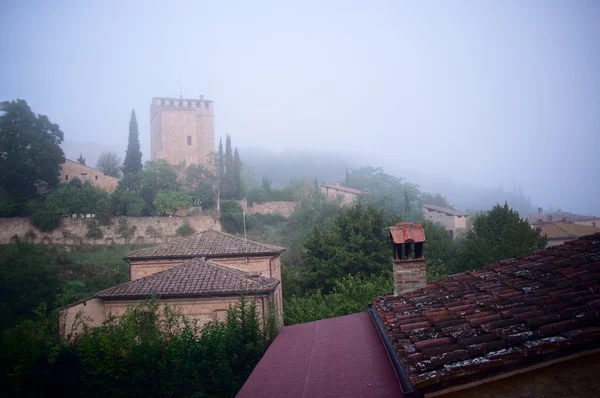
454 221
199 289
561 232
202 274
182 130
71 170
334 191
524 327
536 219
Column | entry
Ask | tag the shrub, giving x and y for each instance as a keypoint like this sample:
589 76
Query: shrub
125 230
185 229
93 230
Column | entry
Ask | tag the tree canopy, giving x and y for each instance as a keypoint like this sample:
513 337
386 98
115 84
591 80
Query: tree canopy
498 234
30 154
110 164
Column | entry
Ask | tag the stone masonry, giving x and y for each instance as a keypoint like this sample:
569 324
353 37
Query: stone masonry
71 170
182 130
73 230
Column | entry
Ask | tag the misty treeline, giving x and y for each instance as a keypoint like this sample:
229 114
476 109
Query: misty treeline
150 351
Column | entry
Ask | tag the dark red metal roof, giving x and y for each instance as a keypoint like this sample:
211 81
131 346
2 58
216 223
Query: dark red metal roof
337 357
407 232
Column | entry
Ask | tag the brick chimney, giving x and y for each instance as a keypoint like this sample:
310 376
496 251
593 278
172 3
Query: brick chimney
409 263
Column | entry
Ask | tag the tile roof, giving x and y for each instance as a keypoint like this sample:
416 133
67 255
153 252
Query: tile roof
504 315
407 231
566 230
342 188
536 218
195 277
446 210
209 243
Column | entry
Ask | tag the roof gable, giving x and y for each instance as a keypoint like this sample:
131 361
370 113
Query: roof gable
342 188
195 277
209 243
445 210
507 313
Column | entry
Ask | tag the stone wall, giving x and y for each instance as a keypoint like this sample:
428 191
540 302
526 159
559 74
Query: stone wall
74 230
284 208
70 170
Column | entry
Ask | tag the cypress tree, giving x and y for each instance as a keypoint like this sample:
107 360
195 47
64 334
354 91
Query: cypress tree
227 181
133 156
237 175
81 159
347 179
220 160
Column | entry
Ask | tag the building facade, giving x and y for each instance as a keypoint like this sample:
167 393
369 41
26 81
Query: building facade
71 170
182 130
346 194
454 221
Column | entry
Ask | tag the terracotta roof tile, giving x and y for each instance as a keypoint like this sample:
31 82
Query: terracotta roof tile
195 277
508 312
562 230
208 244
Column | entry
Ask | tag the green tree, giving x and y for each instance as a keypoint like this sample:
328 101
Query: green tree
168 202
81 159
237 175
220 160
133 155
27 278
110 164
348 295
356 243
440 251
436 200
29 155
227 181
496 235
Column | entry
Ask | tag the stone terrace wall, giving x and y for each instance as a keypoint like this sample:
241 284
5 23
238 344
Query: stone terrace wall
73 230
285 208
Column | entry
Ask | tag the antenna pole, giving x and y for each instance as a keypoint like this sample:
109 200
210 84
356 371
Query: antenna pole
244 225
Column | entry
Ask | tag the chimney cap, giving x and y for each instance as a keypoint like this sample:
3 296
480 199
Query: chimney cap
404 232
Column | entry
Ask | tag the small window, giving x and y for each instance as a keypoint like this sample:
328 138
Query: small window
66 177
206 104
96 177
593 223
84 177
189 139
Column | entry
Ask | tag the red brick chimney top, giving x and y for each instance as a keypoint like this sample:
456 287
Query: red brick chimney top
404 232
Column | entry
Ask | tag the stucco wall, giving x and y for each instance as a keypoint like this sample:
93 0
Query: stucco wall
201 309
284 208
409 275
90 311
575 378
456 224
71 170
73 231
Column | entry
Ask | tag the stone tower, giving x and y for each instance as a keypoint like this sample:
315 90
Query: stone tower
182 130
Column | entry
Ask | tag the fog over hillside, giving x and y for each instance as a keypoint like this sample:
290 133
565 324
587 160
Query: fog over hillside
475 93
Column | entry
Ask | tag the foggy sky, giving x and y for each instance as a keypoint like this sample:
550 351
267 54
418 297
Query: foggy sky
479 92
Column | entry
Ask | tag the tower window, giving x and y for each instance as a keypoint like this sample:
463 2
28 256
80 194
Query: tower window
206 104
66 177
96 177
189 140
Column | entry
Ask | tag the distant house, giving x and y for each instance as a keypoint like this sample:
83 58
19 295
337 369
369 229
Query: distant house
202 274
71 170
334 191
536 219
454 221
199 289
560 232
525 326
